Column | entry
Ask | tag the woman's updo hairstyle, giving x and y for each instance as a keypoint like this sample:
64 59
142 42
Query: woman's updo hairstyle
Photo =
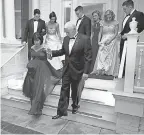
98 13
52 14
109 12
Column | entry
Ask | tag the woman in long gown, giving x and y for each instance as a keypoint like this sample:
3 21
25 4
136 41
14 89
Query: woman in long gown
39 81
54 41
107 62
94 37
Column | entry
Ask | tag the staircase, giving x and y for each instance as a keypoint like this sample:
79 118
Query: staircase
96 106
13 63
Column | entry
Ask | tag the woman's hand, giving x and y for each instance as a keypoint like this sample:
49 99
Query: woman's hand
108 42
100 43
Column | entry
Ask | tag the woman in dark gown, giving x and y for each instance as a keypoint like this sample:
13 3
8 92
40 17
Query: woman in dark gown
41 77
95 34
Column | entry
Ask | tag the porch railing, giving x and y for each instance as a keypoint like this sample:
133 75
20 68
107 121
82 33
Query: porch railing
134 71
139 69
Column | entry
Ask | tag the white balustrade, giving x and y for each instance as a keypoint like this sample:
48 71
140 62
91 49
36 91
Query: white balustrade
139 68
139 86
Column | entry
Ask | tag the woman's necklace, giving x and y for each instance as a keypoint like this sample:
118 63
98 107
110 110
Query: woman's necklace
96 23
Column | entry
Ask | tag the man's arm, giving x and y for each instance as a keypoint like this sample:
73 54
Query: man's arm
141 22
26 32
87 56
60 52
43 28
88 27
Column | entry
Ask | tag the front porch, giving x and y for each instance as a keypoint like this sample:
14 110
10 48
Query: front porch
111 104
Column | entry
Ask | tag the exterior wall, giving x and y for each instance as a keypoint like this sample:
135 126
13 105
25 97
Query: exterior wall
128 124
24 14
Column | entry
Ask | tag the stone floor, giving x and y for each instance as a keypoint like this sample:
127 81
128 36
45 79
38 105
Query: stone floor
17 121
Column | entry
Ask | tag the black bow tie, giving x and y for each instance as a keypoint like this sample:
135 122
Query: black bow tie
35 20
72 38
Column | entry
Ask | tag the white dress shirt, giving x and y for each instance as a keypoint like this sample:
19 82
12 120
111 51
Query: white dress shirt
71 43
126 18
35 26
79 22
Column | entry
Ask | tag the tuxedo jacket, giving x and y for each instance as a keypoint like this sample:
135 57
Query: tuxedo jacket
139 18
79 60
29 29
85 26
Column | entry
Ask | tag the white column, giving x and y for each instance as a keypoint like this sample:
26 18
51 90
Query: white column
1 23
130 62
9 19
73 6
35 5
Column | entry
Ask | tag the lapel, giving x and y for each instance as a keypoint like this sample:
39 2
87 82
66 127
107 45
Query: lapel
75 43
67 44
32 25
129 19
81 22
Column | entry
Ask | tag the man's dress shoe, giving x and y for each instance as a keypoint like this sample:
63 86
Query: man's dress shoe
74 111
59 116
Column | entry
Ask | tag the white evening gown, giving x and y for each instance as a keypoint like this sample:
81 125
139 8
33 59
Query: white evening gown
52 41
107 61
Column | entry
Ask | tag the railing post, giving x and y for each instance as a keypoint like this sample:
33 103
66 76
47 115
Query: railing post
130 62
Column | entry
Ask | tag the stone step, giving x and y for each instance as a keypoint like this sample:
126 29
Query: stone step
88 104
91 83
98 97
87 116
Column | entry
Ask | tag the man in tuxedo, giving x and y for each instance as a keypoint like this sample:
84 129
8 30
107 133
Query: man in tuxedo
83 23
33 25
78 55
128 8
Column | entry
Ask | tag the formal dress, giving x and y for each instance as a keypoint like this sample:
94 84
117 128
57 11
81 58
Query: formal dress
95 46
33 26
78 57
107 61
84 26
53 42
40 79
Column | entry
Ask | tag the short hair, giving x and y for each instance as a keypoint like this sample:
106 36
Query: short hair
111 13
70 25
36 11
128 3
80 8
37 36
98 13
52 14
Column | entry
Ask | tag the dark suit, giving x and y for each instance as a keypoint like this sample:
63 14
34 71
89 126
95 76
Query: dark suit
140 19
76 63
29 31
85 26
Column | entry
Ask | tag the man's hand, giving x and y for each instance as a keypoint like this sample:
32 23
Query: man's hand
49 53
85 76
24 43
124 37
